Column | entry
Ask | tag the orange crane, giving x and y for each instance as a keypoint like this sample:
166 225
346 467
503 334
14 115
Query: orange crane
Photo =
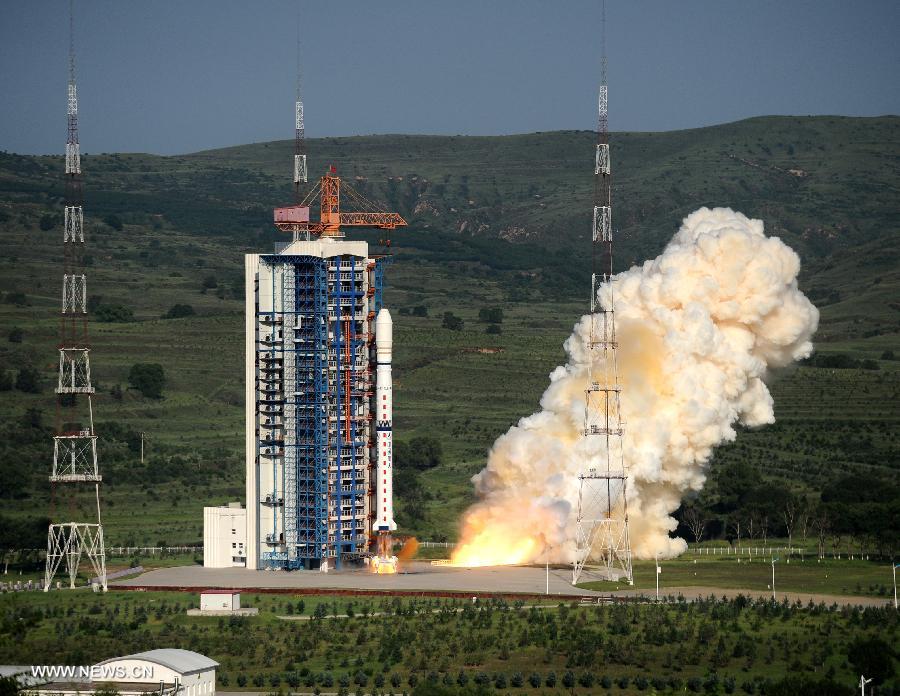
295 218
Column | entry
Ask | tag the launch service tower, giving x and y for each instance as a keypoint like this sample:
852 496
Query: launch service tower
319 396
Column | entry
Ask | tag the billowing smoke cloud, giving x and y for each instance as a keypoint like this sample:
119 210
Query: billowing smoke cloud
698 329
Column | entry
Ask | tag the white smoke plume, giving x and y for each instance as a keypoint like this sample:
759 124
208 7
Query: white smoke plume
699 327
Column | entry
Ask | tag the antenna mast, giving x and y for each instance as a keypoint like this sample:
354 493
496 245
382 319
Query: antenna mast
602 513
75 442
300 171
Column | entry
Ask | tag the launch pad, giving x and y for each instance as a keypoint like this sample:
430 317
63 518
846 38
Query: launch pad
416 576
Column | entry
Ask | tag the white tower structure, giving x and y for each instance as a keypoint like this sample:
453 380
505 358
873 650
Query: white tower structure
602 513
75 466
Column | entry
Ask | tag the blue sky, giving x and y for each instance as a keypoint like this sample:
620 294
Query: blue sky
170 77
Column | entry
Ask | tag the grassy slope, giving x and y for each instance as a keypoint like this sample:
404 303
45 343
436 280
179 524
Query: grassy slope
190 216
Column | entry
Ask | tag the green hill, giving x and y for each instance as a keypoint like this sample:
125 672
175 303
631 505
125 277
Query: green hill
494 222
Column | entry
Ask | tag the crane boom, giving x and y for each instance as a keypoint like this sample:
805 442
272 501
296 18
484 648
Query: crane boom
295 219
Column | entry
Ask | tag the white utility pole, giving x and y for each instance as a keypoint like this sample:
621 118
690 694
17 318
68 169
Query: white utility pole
896 565
773 580
547 564
658 571
862 685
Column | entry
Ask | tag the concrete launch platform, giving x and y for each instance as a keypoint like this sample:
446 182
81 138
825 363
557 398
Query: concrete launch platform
421 578
414 577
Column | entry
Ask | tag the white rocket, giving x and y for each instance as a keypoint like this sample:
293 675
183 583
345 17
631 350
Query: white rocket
384 423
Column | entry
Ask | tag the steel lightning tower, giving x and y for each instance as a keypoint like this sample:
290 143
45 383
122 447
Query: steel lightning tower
602 513
75 442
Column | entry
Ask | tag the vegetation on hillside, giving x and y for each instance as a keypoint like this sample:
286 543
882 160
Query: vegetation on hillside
498 231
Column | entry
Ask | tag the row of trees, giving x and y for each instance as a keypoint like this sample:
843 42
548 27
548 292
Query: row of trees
860 508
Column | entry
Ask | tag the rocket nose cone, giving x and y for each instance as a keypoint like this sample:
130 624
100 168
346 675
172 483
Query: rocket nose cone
384 316
384 330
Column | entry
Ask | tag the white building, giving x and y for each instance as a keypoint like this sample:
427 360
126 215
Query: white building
225 536
220 600
170 671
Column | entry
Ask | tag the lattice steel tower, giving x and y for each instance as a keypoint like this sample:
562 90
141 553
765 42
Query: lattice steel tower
602 513
75 443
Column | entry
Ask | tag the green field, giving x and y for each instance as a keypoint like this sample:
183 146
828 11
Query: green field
453 646
496 221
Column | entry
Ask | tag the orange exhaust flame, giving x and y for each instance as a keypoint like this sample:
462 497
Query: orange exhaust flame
487 548
408 551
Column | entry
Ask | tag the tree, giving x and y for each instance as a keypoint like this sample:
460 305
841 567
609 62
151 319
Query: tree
452 322
113 313
790 510
490 315
734 527
494 329
16 334
696 521
114 221
420 311
148 379
822 526
209 282
48 222
177 311
28 380
872 657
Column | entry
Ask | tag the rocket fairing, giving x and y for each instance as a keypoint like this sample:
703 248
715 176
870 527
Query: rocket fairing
384 419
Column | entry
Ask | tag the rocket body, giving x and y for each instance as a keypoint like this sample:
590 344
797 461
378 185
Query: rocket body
384 423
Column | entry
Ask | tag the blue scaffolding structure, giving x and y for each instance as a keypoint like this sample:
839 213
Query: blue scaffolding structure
313 392
303 369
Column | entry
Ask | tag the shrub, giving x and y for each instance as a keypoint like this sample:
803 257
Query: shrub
209 282
494 329
586 680
16 334
420 311
623 682
177 311
113 313
241 680
116 223
259 680
223 679
535 680
48 222
551 679
452 322
490 315
695 684
28 380
148 379
17 298
500 680
517 680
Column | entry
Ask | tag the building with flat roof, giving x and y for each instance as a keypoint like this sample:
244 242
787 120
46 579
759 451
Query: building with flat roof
225 536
